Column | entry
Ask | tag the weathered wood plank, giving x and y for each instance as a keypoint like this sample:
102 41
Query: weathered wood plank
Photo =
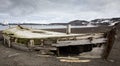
79 42
46 48
68 29
19 46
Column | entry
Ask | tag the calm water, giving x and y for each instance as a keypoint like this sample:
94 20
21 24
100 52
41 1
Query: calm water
43 26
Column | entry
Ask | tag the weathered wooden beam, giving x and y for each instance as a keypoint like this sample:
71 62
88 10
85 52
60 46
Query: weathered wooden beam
56 41
7 40
45 48
68 30
31 43
4 41
42 42
19 46
58 52
79 42
16 40
9 43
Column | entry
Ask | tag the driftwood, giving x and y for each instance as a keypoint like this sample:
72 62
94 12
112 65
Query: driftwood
79 42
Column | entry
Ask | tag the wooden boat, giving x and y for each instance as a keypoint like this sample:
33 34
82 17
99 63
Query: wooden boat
45 41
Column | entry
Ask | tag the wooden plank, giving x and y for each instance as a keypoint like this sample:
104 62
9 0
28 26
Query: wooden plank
58 52
4 41
31 43
19 46
79 42
16 40
9 43
7 40
46 48
68 29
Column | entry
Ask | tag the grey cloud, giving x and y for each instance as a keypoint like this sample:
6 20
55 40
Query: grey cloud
25 7
60 10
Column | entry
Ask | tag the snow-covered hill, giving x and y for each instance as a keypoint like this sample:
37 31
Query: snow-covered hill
105 22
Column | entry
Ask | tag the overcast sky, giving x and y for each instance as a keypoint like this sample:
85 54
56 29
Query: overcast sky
51 11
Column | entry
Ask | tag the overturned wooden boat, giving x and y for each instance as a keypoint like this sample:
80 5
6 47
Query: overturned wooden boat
48 41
